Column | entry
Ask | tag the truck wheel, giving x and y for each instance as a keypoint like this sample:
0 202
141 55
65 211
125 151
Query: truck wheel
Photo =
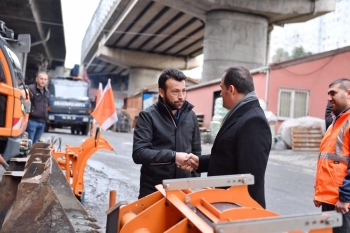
72 129
85 129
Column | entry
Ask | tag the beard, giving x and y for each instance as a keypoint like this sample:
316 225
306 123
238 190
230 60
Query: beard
173 105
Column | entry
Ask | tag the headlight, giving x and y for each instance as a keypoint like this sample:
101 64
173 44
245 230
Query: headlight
85 119
51 117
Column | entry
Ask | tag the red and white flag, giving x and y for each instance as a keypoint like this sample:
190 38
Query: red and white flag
105 112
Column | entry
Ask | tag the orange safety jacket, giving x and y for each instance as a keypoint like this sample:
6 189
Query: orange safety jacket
332 177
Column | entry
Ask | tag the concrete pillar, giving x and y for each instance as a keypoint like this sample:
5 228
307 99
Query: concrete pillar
232 39
140 78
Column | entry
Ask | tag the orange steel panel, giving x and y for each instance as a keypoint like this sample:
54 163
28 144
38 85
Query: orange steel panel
6 69
210 208
245 213
199 223
140 205
207 213
127 217
146 219
173 216
7 89
235 194
74 160
112 198
172 213
327 230
179 227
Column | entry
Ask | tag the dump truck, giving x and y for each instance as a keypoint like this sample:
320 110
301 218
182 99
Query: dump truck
69 108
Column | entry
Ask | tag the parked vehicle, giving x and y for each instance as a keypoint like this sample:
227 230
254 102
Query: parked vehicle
123 123
69 105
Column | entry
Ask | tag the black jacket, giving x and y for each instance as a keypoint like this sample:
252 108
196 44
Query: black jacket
156 136
242 146
39 103
328 115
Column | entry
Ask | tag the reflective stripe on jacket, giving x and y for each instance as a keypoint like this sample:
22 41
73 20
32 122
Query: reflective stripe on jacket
332 166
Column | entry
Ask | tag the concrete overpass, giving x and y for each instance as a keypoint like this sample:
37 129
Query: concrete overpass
42 19
135 39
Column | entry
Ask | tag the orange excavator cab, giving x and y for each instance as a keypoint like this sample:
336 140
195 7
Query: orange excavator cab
14 104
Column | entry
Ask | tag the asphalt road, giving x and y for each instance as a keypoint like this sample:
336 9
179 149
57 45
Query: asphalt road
289 176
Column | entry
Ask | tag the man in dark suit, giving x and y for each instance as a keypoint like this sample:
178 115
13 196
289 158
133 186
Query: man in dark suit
243 142
328 115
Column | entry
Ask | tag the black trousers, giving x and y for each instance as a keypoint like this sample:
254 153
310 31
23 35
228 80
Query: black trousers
346 219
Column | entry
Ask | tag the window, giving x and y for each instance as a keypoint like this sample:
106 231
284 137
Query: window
292 103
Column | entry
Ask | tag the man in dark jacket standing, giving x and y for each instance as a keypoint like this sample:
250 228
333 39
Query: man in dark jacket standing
39 96
165 134
243 142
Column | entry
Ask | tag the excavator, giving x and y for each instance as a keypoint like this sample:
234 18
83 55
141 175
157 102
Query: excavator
42 190
35 195
14 107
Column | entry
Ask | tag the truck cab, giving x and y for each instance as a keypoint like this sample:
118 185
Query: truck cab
69 105
14 105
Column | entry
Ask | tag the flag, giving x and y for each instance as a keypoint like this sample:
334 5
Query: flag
98 96
105 112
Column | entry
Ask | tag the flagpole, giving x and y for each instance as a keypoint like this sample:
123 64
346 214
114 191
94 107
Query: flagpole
97 100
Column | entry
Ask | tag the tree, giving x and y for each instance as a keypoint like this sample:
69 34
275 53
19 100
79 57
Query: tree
299 52
280 55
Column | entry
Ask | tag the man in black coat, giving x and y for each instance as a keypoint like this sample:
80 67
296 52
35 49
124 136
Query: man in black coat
243 142
165 134
39 97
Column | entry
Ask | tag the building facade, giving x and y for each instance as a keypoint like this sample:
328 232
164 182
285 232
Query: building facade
290 89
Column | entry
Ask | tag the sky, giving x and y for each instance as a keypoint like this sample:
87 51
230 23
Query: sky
77 15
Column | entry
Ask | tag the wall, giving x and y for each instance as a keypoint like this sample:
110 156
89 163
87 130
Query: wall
314 76
260 84
202 99
133 107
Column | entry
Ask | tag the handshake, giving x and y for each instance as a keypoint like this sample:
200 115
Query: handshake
187 162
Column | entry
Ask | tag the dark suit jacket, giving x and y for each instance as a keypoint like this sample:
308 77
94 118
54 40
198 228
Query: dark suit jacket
328 115
242 146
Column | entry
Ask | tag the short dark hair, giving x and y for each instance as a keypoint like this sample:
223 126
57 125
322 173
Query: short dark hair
344 83
41 72
173 73
240 78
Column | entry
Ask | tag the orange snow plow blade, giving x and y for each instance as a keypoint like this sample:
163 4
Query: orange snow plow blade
35 197
73 160
188 206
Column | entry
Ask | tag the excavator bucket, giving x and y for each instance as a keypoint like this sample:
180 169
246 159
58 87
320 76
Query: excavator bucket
189 206
35 197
